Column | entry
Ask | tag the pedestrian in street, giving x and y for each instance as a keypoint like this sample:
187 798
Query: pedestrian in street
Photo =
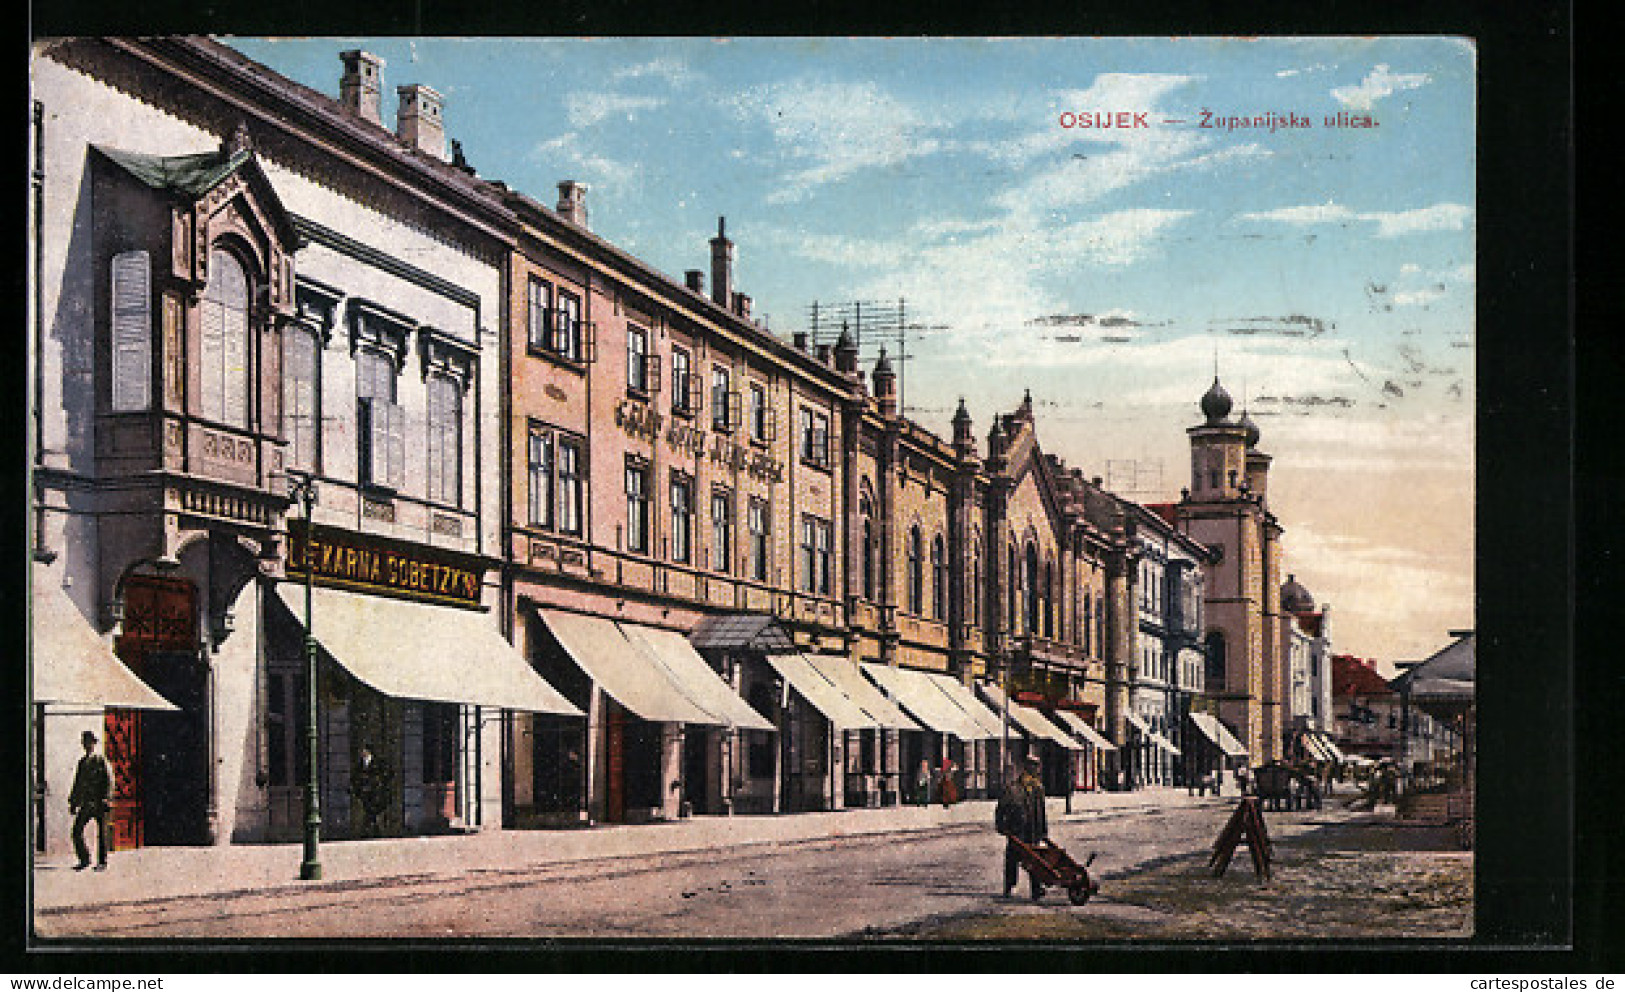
371 790
948 791
922 784
89 801
1020 815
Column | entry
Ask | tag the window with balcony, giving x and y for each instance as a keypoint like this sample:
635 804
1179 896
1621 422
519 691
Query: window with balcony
684 398
642 368
815 437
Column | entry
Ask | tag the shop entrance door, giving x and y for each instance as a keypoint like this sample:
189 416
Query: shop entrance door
160 760
696 770
615 765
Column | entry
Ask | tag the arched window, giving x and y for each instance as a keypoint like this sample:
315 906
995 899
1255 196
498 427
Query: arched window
1088 620
868 563
916 572
1012 614
1215 656
1049 599
976 590
1030 582
223 355
939 579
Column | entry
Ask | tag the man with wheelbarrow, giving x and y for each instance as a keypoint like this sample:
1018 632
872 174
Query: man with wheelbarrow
1020 816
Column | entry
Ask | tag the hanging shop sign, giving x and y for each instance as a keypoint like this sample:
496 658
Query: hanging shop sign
380 565
637 420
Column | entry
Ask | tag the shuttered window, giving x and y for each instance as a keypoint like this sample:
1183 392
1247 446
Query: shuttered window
300 397
445 440
224 344
132 331
382 422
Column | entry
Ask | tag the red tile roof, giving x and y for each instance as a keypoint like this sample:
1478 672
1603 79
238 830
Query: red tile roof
1352 677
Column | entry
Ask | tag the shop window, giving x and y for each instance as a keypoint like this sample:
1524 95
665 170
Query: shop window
759 550
223 342
445 429
301 397
722 531
638 505
131 329
439 743
682 517
762 749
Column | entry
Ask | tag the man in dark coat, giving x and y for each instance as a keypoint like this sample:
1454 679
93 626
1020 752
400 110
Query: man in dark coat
89 800
371 788
1020 816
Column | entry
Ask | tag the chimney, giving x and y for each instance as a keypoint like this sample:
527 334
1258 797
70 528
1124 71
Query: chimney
418 122
573 202
361 87
722 266
824 353
695 280
742 305
846 353
799 339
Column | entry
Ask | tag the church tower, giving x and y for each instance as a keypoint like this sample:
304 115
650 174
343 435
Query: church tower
1225 509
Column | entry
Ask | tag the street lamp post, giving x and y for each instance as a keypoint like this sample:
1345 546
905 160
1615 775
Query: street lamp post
303 488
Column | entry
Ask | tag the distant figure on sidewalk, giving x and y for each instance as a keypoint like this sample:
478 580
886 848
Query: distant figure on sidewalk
1020 816
371 789
922 784
948 791
88 800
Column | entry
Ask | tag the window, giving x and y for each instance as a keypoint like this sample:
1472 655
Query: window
683 399
722 530
560 327
916 573
815 437
132 331
572 481
539 470
868 558
301 396
1215 656
815 555
557 469
1049 599
642 368
1030 587
223 366
539 314
976 589
682 517
381 423
939 579
445 440
759 550
724 402
761 415
638 499
1088 619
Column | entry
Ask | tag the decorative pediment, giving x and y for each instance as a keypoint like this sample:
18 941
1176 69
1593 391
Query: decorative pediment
448 355
379 327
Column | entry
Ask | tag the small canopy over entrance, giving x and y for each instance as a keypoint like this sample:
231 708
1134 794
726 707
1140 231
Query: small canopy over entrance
73 665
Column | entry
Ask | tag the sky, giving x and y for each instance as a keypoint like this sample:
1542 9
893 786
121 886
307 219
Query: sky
1326 273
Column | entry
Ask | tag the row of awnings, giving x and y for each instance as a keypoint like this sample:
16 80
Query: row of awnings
1322 748
1144 730
1218 734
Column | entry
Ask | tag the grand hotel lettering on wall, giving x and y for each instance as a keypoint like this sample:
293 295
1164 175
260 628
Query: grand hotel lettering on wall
638 421
379 565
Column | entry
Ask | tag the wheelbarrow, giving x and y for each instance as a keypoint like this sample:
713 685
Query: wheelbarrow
1047 864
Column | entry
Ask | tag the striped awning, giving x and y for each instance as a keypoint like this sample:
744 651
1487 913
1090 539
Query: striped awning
1085 731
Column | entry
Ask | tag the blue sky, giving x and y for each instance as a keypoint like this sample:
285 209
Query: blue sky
1329 271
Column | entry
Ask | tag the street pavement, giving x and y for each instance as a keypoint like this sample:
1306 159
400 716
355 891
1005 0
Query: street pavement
909 874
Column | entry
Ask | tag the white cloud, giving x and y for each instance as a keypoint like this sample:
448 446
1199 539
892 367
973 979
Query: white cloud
586 108
1379 83
673 71
837 129
595 169
1390 224
1439 217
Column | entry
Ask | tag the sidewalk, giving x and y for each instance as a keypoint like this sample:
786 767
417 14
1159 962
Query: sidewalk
154 873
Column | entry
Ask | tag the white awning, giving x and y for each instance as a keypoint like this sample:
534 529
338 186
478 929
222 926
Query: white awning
417 651
1164 743
1134 720
1085 730
917 695
74 665
1332 748
1219 734
699 680
961 694
1030 720
844 675
628 674
820 693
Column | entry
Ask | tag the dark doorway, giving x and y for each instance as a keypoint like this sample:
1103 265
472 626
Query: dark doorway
696 770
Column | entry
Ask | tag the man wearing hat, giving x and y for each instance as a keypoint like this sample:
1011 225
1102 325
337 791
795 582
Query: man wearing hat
88 800
1020 816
